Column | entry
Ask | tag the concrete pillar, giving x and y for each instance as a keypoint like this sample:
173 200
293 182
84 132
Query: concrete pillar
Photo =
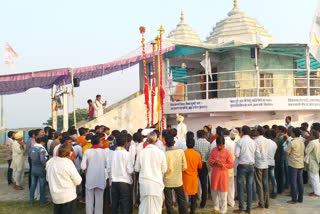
54 114
65 110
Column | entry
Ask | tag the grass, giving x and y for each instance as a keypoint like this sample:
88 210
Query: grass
18 207
3 162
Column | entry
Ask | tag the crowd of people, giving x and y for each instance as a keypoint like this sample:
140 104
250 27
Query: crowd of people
116 170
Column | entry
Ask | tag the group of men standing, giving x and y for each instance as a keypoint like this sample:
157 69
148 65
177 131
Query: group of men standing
162 169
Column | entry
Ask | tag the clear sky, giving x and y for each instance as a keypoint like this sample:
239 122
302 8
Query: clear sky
70 33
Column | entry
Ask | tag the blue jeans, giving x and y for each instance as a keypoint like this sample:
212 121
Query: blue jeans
272 178
34 181
296 177
285 171
245 175
91 118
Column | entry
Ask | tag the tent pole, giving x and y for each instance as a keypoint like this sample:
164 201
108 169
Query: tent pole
73 99
54 112
2 120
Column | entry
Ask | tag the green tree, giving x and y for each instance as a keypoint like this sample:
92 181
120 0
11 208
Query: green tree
81 114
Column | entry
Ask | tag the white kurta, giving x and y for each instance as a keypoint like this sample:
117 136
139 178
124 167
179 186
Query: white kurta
95 162
17 157
151 164
17 163
98 108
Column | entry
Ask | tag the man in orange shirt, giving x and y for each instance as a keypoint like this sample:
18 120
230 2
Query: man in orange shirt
190 175
82 139
221 160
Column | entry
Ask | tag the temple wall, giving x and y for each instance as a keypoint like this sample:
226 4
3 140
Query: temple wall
225 62
266 61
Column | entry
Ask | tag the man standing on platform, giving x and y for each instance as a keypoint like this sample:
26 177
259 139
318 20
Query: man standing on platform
99 106
90 116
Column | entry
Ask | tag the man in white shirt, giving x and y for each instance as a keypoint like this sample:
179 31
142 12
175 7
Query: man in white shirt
120 169
230 145
261 169
151 164
246 150
270 134
63 178
159 143
98 106
94 160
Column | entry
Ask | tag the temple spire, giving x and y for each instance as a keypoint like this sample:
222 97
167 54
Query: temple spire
182 17
235 4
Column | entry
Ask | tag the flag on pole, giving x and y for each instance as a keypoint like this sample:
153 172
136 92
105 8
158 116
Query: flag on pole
206 64
262 44
9 56
314 43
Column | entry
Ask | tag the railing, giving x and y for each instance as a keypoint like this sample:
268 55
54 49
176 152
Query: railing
245 83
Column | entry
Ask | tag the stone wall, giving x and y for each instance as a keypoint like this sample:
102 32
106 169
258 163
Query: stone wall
131 115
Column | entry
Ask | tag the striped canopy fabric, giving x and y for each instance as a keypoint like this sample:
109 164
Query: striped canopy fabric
18 83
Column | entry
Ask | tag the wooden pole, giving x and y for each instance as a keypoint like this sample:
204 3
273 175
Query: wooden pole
65 110
54 112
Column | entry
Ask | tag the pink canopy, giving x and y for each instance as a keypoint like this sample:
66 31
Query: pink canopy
17 83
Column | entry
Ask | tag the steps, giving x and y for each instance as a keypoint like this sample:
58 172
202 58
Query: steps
129 114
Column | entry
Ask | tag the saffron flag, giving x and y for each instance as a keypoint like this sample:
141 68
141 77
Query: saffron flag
9 56
314 42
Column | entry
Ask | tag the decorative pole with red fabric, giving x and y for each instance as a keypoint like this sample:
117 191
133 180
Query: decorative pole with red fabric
158 82
153 91
162 92
146 86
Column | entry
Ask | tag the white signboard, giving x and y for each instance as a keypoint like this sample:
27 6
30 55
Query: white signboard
244 104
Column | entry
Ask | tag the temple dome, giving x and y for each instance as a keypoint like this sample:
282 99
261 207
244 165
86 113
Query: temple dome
238 27
184 34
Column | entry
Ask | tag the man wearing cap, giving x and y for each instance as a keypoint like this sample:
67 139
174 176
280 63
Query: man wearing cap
17 164
9 142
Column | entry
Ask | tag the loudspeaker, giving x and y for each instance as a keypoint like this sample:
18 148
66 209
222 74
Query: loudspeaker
253 52
76 82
